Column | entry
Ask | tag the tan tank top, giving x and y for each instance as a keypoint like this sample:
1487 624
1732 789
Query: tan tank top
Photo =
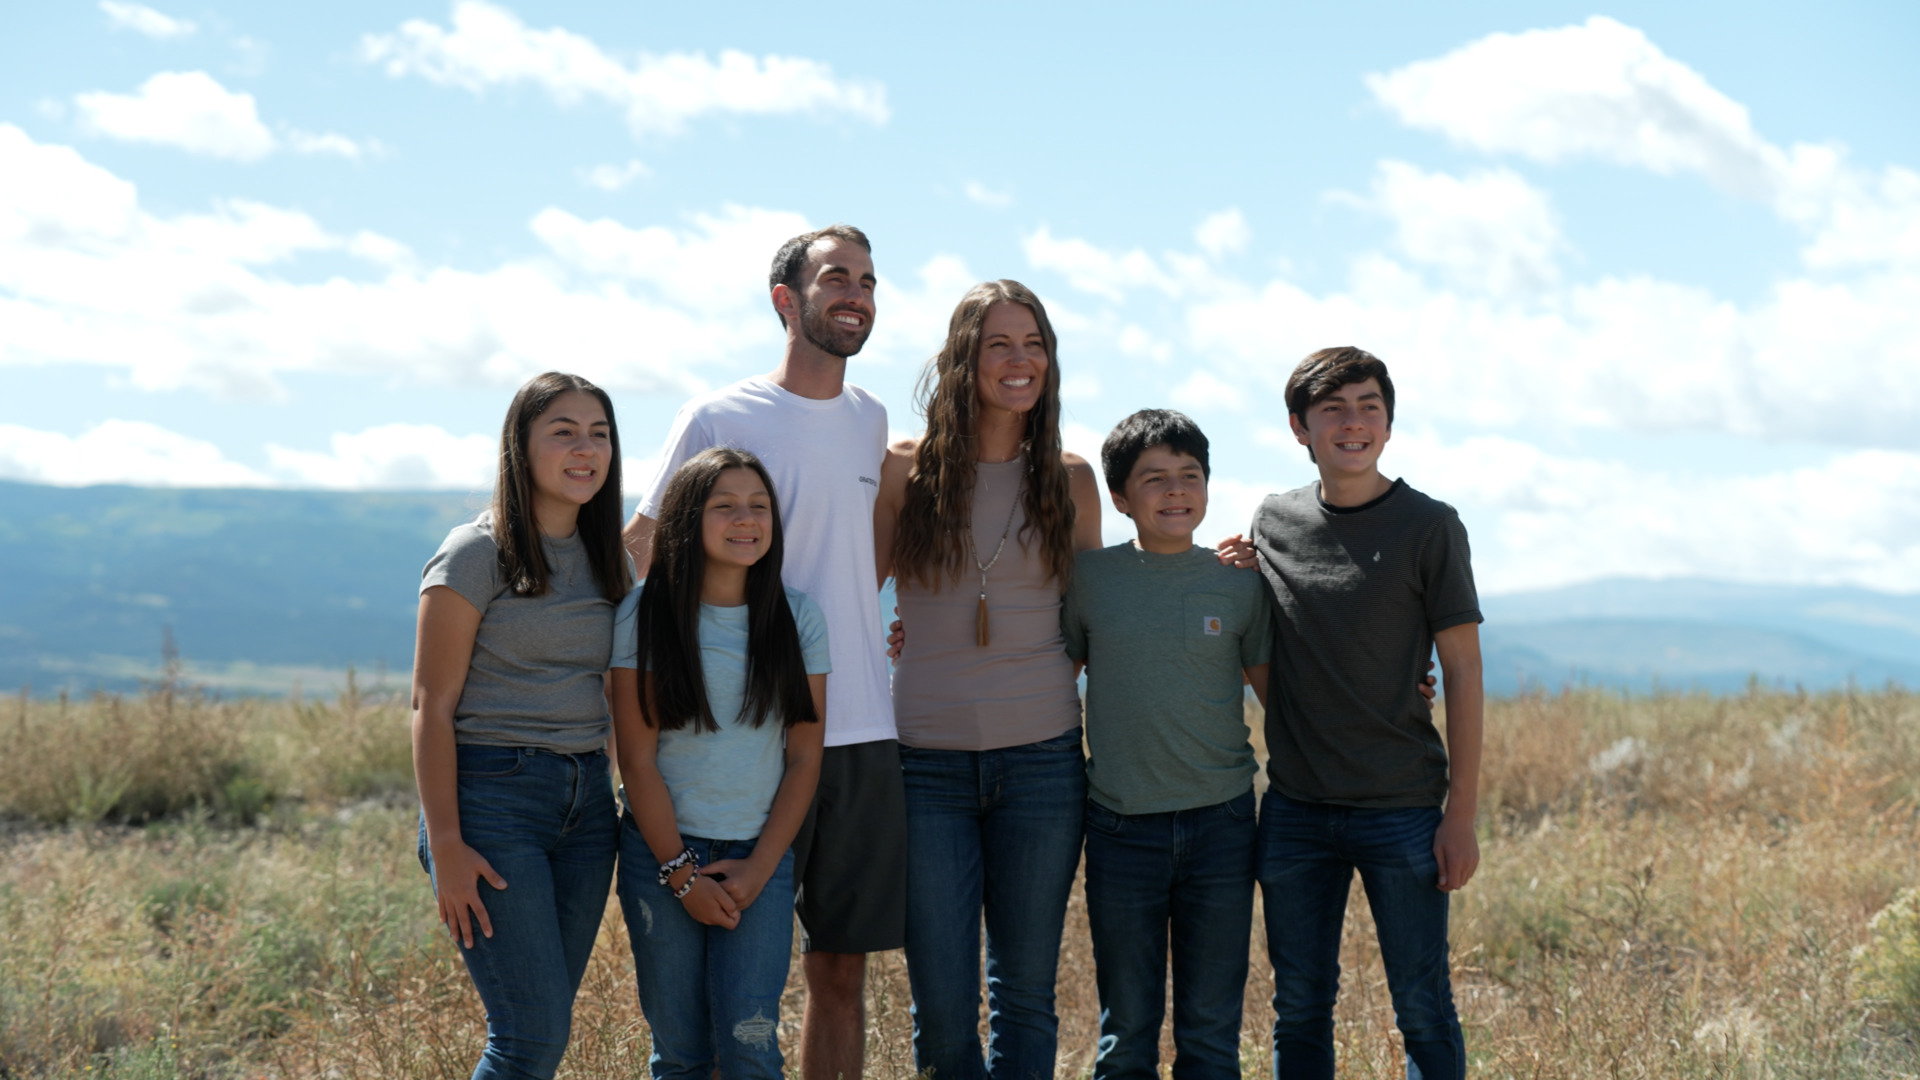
950 693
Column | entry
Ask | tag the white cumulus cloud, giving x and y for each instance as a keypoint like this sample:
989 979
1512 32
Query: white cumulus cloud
191 111
615 177
329 143
142 19
390 457
87 276
1108 274
709 265
1489 231
188 110
1625 354
1601 90
1551 519
991 198
118 452
393 456
488 45
1222 234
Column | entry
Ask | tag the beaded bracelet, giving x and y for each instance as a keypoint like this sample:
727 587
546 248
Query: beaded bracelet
687 886
668 868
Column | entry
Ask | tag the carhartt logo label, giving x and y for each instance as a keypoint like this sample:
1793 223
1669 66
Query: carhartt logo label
1210 625
876 483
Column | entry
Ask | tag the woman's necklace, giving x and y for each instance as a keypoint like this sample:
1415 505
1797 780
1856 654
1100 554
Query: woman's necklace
980 635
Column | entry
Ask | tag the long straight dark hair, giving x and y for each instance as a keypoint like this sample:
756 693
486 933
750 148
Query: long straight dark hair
667 624
523 559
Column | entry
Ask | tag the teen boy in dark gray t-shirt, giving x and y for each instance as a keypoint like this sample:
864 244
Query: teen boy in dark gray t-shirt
1361 592
1368 576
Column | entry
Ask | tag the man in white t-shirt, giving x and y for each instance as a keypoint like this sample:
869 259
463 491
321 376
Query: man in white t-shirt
822 440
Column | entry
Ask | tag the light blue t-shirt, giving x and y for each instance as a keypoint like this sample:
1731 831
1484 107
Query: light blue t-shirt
723 782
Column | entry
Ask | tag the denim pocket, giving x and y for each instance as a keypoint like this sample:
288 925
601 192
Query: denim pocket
491 762
1102 820
1239 808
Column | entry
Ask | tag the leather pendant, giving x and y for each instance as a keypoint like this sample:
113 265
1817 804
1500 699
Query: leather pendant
980 636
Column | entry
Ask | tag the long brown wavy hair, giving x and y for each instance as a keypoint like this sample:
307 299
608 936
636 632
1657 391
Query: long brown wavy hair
523 561
930 545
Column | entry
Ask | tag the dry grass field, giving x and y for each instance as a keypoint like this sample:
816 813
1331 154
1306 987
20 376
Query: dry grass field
1675 886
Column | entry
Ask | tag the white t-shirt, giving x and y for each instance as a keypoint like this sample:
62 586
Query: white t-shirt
824 457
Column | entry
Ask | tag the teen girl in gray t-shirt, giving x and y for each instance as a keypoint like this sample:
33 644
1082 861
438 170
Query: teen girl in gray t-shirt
517 824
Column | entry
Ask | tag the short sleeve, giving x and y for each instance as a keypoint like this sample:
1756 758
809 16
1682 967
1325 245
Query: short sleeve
688 436
468 562
1073 627
1446 573
1256 645
812 625
626 647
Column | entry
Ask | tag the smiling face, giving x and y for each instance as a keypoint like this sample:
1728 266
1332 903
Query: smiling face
569 448
835 302
1012 371
1346 430
736 523
1166 496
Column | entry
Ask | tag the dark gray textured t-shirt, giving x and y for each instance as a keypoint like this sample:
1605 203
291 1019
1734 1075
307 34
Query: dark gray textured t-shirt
1358 594
1165 638
538 661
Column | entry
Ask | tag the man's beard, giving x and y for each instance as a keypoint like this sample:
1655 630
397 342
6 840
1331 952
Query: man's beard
818 327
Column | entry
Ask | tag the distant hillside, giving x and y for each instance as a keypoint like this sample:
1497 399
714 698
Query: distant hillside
265 590
1711 635
260 588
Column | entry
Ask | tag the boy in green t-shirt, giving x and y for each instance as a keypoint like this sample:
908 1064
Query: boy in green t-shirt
1167 633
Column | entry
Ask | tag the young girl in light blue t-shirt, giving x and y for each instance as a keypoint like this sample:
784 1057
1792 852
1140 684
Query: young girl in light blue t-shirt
719 746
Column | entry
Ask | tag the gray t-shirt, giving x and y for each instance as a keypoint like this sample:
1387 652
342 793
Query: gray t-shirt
536 678
1165 638
1358 594
723 782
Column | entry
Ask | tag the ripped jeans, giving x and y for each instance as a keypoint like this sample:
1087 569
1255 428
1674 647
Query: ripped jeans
711 996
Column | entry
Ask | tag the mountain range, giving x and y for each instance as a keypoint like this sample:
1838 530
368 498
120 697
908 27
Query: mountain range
269 591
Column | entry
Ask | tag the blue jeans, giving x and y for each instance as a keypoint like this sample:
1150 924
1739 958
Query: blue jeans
1191 870
1308 853
710 995
546 823
999 830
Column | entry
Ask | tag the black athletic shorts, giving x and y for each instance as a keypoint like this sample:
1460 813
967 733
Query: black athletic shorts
850 858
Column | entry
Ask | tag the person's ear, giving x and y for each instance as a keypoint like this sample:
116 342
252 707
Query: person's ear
1299 429
787 303
1119 502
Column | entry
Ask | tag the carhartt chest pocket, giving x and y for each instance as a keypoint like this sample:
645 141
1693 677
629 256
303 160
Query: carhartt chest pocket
1207 628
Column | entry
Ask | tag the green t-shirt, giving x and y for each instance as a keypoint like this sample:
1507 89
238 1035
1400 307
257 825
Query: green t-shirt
1165 638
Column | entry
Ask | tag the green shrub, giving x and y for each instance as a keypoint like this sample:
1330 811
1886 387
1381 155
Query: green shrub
1887 968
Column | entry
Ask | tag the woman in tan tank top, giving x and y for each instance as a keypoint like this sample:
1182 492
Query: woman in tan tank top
978 521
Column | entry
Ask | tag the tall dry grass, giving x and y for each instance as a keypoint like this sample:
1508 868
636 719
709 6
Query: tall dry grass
1674 886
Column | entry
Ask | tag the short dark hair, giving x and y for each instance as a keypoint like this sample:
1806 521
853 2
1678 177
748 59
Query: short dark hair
1141 432
791 259
1323 373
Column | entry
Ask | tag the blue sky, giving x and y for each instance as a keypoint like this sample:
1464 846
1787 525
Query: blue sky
1648 277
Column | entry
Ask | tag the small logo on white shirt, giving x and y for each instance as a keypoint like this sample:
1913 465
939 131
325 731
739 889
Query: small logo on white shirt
876 483
1210 625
